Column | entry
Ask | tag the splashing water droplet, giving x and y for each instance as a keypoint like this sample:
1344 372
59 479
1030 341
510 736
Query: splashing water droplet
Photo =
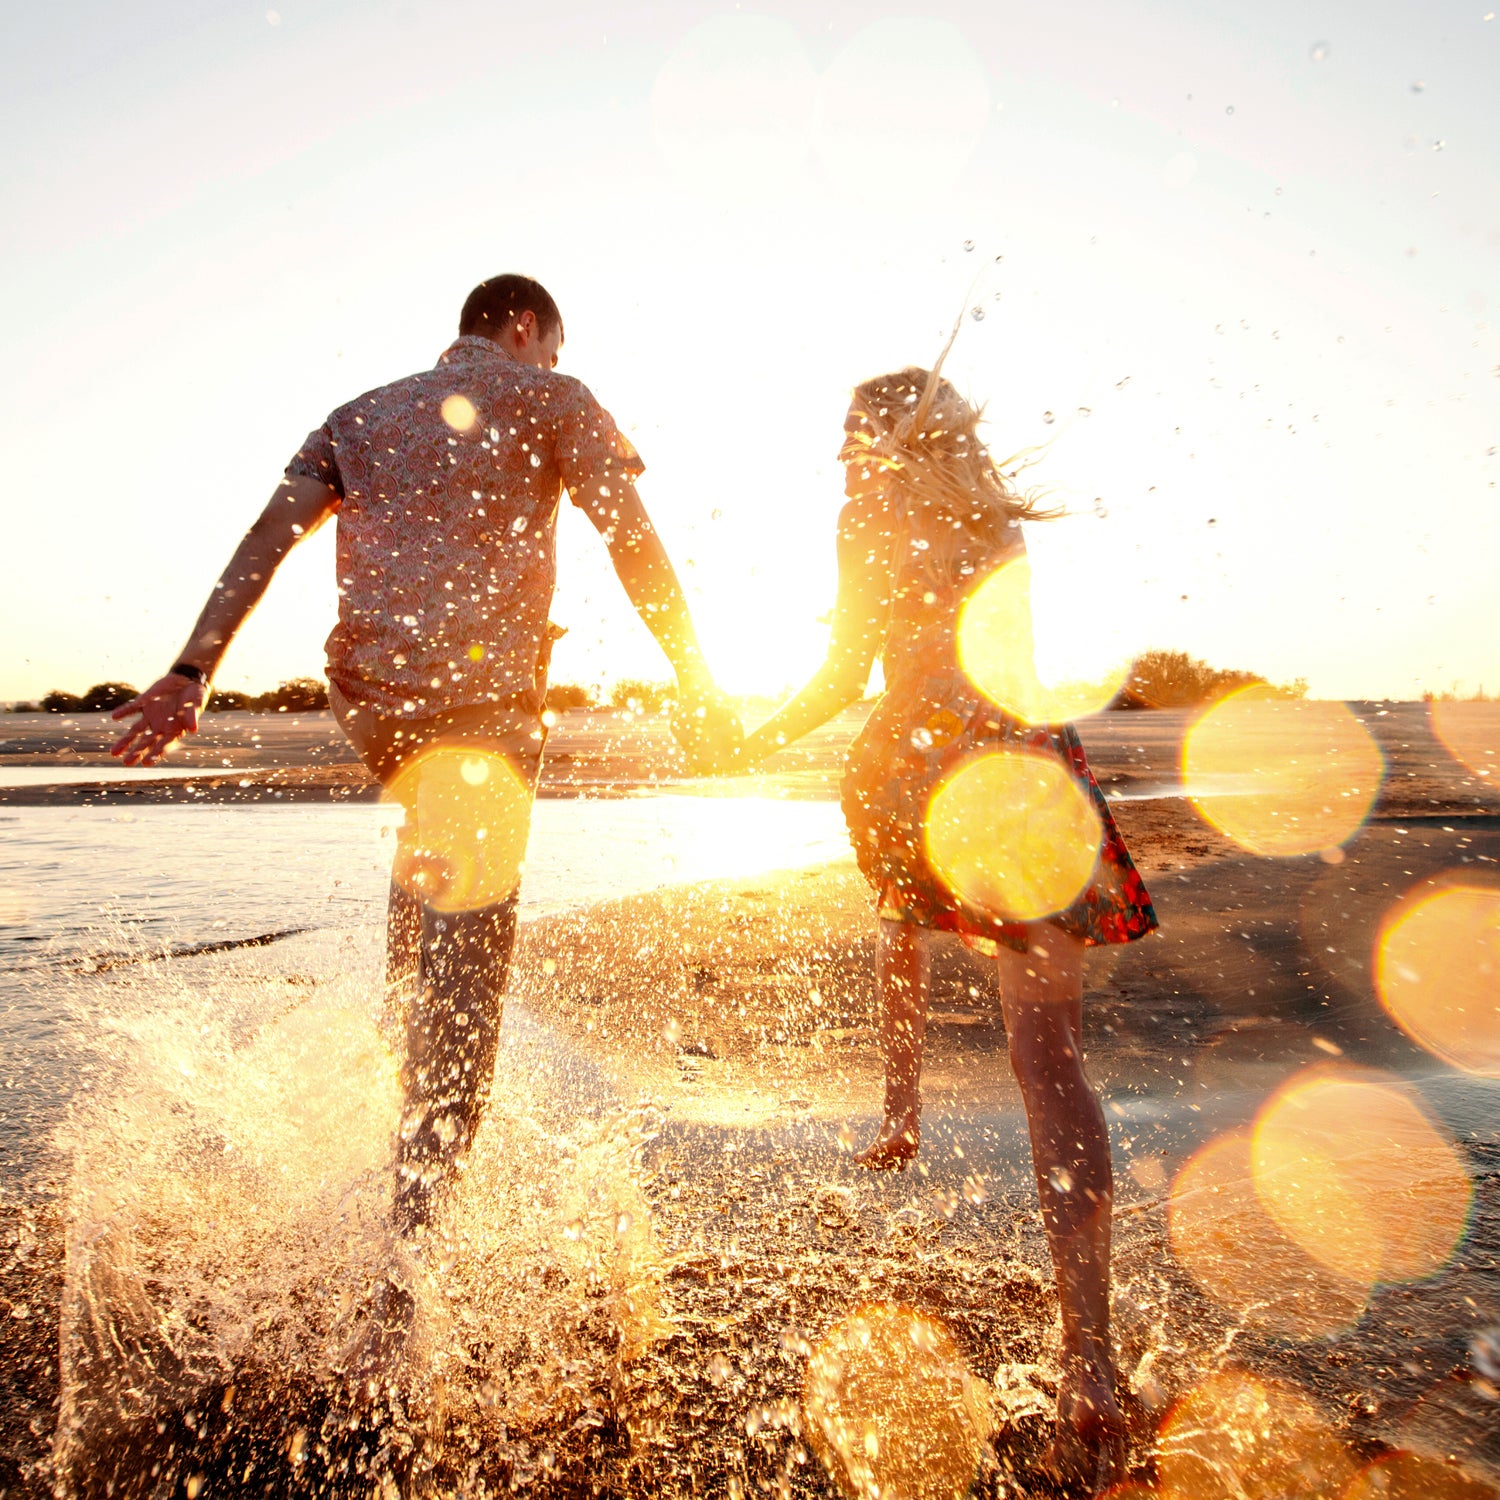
672 1031
623 1225
968 244
573 1229
1122 383
846 1137
1418 84
1318 51
718 1369
1484 1352
1061 1179
1085 411
977 313
1100 508
1048 418
1229 109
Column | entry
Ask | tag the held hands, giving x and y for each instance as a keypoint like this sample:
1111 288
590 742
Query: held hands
166 711
710 733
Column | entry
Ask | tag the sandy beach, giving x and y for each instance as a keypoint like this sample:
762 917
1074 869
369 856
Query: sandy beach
733 1023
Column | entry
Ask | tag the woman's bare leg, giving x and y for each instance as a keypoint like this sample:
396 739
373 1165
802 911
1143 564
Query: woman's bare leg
902 968
1042 994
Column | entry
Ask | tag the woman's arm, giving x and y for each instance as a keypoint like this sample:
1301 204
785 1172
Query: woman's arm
859 620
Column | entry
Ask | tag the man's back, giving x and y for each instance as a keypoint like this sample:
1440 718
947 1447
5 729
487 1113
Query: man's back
449 482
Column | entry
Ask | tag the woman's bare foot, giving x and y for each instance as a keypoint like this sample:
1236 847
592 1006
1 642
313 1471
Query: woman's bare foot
895 1144
373 1355
1088 1451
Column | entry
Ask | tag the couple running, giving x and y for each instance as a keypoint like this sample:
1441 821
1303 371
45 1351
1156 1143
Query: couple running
446 486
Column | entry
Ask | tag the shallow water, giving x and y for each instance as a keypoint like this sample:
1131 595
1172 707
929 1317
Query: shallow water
88 889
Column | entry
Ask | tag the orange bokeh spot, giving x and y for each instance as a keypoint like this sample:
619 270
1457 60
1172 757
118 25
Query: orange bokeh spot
1239 1438
1278 775
1351 1167
1013 835
1221 1232
997 651
458 412
468 812
891 1408
1471 733
1437 971
1412 1476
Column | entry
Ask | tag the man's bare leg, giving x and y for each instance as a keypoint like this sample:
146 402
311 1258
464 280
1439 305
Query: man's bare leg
903 969
403 942
1042 995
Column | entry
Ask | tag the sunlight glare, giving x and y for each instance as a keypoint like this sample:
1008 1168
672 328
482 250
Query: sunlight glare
1013 835
1235 1437
1278 775
1470 732
891 1408
997 650
468 812
458 412
1220 1231
1351 1166
1437 972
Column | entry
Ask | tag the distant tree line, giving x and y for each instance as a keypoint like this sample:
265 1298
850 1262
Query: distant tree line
1158 679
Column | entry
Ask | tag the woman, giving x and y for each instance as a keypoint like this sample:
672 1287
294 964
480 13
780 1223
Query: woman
929 517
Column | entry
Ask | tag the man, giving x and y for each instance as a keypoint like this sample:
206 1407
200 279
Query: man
446 485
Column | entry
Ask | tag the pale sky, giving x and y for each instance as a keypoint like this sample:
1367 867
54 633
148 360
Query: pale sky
1244 254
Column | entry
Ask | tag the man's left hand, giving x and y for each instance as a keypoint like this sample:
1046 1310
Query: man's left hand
166 711
710 733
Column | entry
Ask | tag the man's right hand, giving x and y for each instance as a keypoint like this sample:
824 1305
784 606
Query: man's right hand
166 711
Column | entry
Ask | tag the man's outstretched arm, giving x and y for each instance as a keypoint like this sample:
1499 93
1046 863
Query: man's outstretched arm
644 569
168 709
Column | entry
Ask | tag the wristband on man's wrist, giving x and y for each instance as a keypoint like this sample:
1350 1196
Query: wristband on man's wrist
192 673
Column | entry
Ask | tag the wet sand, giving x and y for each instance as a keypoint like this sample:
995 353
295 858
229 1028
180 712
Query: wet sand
743 1012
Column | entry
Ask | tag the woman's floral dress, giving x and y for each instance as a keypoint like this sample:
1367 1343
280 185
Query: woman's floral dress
930 719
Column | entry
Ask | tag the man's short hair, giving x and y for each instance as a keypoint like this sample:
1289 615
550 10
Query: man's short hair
495 304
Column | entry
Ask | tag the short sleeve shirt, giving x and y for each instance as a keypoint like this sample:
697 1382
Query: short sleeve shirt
449 483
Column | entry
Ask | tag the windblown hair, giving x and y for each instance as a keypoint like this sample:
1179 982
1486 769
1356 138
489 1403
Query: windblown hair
495 304
946 485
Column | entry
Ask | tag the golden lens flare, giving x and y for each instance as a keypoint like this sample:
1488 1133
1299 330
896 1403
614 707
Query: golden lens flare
1278 775
1470 732
997 651
1412 1476
468 811
1352 1168
1220 1231
891 1408
458 412
1239 1438
1013 835
1437 971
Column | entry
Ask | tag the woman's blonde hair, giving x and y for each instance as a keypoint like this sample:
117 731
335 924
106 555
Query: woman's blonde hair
917 428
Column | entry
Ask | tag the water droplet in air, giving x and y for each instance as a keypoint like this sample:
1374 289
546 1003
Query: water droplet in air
1484 1351
1085 411
921 738
1229 109
718 1369
1061 1179
536 460
622 1225
573 1229
1121 384
672 1031
715 515
1048 418
845 1137
1438 145
1418 84
1318 51
977 313
968 244
1100 508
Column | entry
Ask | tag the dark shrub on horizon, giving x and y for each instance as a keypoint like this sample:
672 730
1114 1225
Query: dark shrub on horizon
564 696
300 695
1173 679
641 696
